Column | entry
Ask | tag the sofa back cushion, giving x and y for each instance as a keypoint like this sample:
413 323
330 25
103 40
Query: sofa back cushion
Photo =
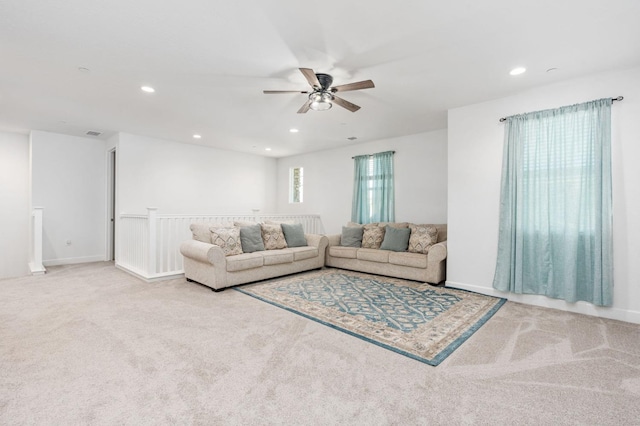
202 231
442 231
395 239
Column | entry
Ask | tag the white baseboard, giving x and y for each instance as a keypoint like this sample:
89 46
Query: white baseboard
36 270
151 279
546 302
73 260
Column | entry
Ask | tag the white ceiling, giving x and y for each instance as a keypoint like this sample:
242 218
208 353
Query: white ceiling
209 61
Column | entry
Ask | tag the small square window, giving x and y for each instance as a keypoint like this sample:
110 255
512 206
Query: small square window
295 184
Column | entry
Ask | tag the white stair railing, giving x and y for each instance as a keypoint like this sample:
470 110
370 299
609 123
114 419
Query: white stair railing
149 245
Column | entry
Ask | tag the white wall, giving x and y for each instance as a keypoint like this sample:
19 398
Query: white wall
68 180
14 204
420 166
475 158
180 178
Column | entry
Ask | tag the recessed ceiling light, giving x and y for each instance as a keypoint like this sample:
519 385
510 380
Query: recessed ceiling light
267 149
197 136
293 130
147 89
517 71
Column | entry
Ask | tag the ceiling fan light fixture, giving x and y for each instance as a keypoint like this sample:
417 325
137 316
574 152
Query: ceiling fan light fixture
320 101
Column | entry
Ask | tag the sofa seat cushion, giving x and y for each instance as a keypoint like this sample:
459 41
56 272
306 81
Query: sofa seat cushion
276 257
244 261
414 260
373 255
302 253
344 252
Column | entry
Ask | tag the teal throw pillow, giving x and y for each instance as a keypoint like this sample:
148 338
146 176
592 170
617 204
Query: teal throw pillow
351 236
294 235
251 238
396 239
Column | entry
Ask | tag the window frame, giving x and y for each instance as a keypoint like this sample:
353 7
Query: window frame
296 189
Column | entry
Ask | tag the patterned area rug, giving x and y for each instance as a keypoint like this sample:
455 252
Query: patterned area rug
418 320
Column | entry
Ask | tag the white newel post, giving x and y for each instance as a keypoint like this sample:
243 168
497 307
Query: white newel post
36 267
152 213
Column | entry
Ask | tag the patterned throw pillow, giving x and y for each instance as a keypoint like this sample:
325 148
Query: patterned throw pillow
422 237
273 237
372 236
228 239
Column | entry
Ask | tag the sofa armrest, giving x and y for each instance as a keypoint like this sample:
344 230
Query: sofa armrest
202 252
316 240
334 240
437 252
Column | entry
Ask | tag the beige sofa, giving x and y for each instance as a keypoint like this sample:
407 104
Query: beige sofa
430 267
207 264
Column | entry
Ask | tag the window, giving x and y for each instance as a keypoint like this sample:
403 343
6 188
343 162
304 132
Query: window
296 176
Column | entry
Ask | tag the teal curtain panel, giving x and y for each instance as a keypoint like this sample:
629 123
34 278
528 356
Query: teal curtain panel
555 233
373 188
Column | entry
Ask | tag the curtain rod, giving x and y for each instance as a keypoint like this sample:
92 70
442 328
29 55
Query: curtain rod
371 155
619 98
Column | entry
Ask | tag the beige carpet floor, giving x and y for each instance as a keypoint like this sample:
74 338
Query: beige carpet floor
89 344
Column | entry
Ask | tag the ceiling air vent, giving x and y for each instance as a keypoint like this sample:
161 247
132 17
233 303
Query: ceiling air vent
93 133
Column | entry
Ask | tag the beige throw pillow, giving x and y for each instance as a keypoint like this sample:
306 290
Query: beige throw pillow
228 239
422 238
372 236
273 236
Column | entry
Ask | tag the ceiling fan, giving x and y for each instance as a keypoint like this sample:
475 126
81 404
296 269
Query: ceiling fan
322 96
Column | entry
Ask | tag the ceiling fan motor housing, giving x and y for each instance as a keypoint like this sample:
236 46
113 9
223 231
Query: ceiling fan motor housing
325 80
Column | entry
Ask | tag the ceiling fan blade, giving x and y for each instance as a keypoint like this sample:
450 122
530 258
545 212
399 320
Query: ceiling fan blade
272 92
311 77
366 84
304 108
345 104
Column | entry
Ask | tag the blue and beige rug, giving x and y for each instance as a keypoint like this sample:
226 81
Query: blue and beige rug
418 320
